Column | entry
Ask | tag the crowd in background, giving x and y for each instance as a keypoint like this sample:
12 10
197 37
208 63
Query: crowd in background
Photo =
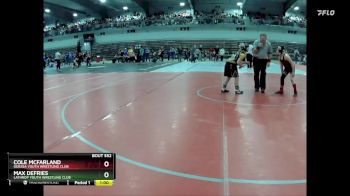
263 19
215 16
74 59
138 53
126 21
144 54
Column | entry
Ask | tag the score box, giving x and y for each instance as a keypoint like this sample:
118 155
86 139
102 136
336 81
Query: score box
61 168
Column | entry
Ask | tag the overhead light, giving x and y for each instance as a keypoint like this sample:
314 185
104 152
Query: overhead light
75 14
103 1
47 10
182 4
296 8
239 3
125 8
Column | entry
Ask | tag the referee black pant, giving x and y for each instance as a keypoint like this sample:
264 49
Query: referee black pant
260 73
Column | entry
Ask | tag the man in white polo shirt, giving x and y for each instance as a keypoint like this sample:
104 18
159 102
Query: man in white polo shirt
262 57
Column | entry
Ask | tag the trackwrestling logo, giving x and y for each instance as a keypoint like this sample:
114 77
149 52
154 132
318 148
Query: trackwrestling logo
326 12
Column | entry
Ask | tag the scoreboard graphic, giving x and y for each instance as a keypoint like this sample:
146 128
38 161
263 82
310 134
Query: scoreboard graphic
77 169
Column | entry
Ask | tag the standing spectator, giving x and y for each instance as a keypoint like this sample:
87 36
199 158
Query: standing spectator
84 55
88 59
58 57
304 59
179 54
173 53
200 53
216 53
155 56
66 59
186 54
222 53
131 55
70 58
161 54
115 58
50 60
80 58
250 55
206 55
210 53
125 55
197 54
262 57
296 55
169 53
142 52
192 54
121 57
146 54
44 60
76 61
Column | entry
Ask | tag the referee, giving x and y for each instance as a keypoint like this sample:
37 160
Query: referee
262 52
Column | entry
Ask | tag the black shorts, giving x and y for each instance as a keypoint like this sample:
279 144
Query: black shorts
231 70
249 57
287 70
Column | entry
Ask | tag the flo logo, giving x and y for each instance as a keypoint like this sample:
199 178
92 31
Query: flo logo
326 12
